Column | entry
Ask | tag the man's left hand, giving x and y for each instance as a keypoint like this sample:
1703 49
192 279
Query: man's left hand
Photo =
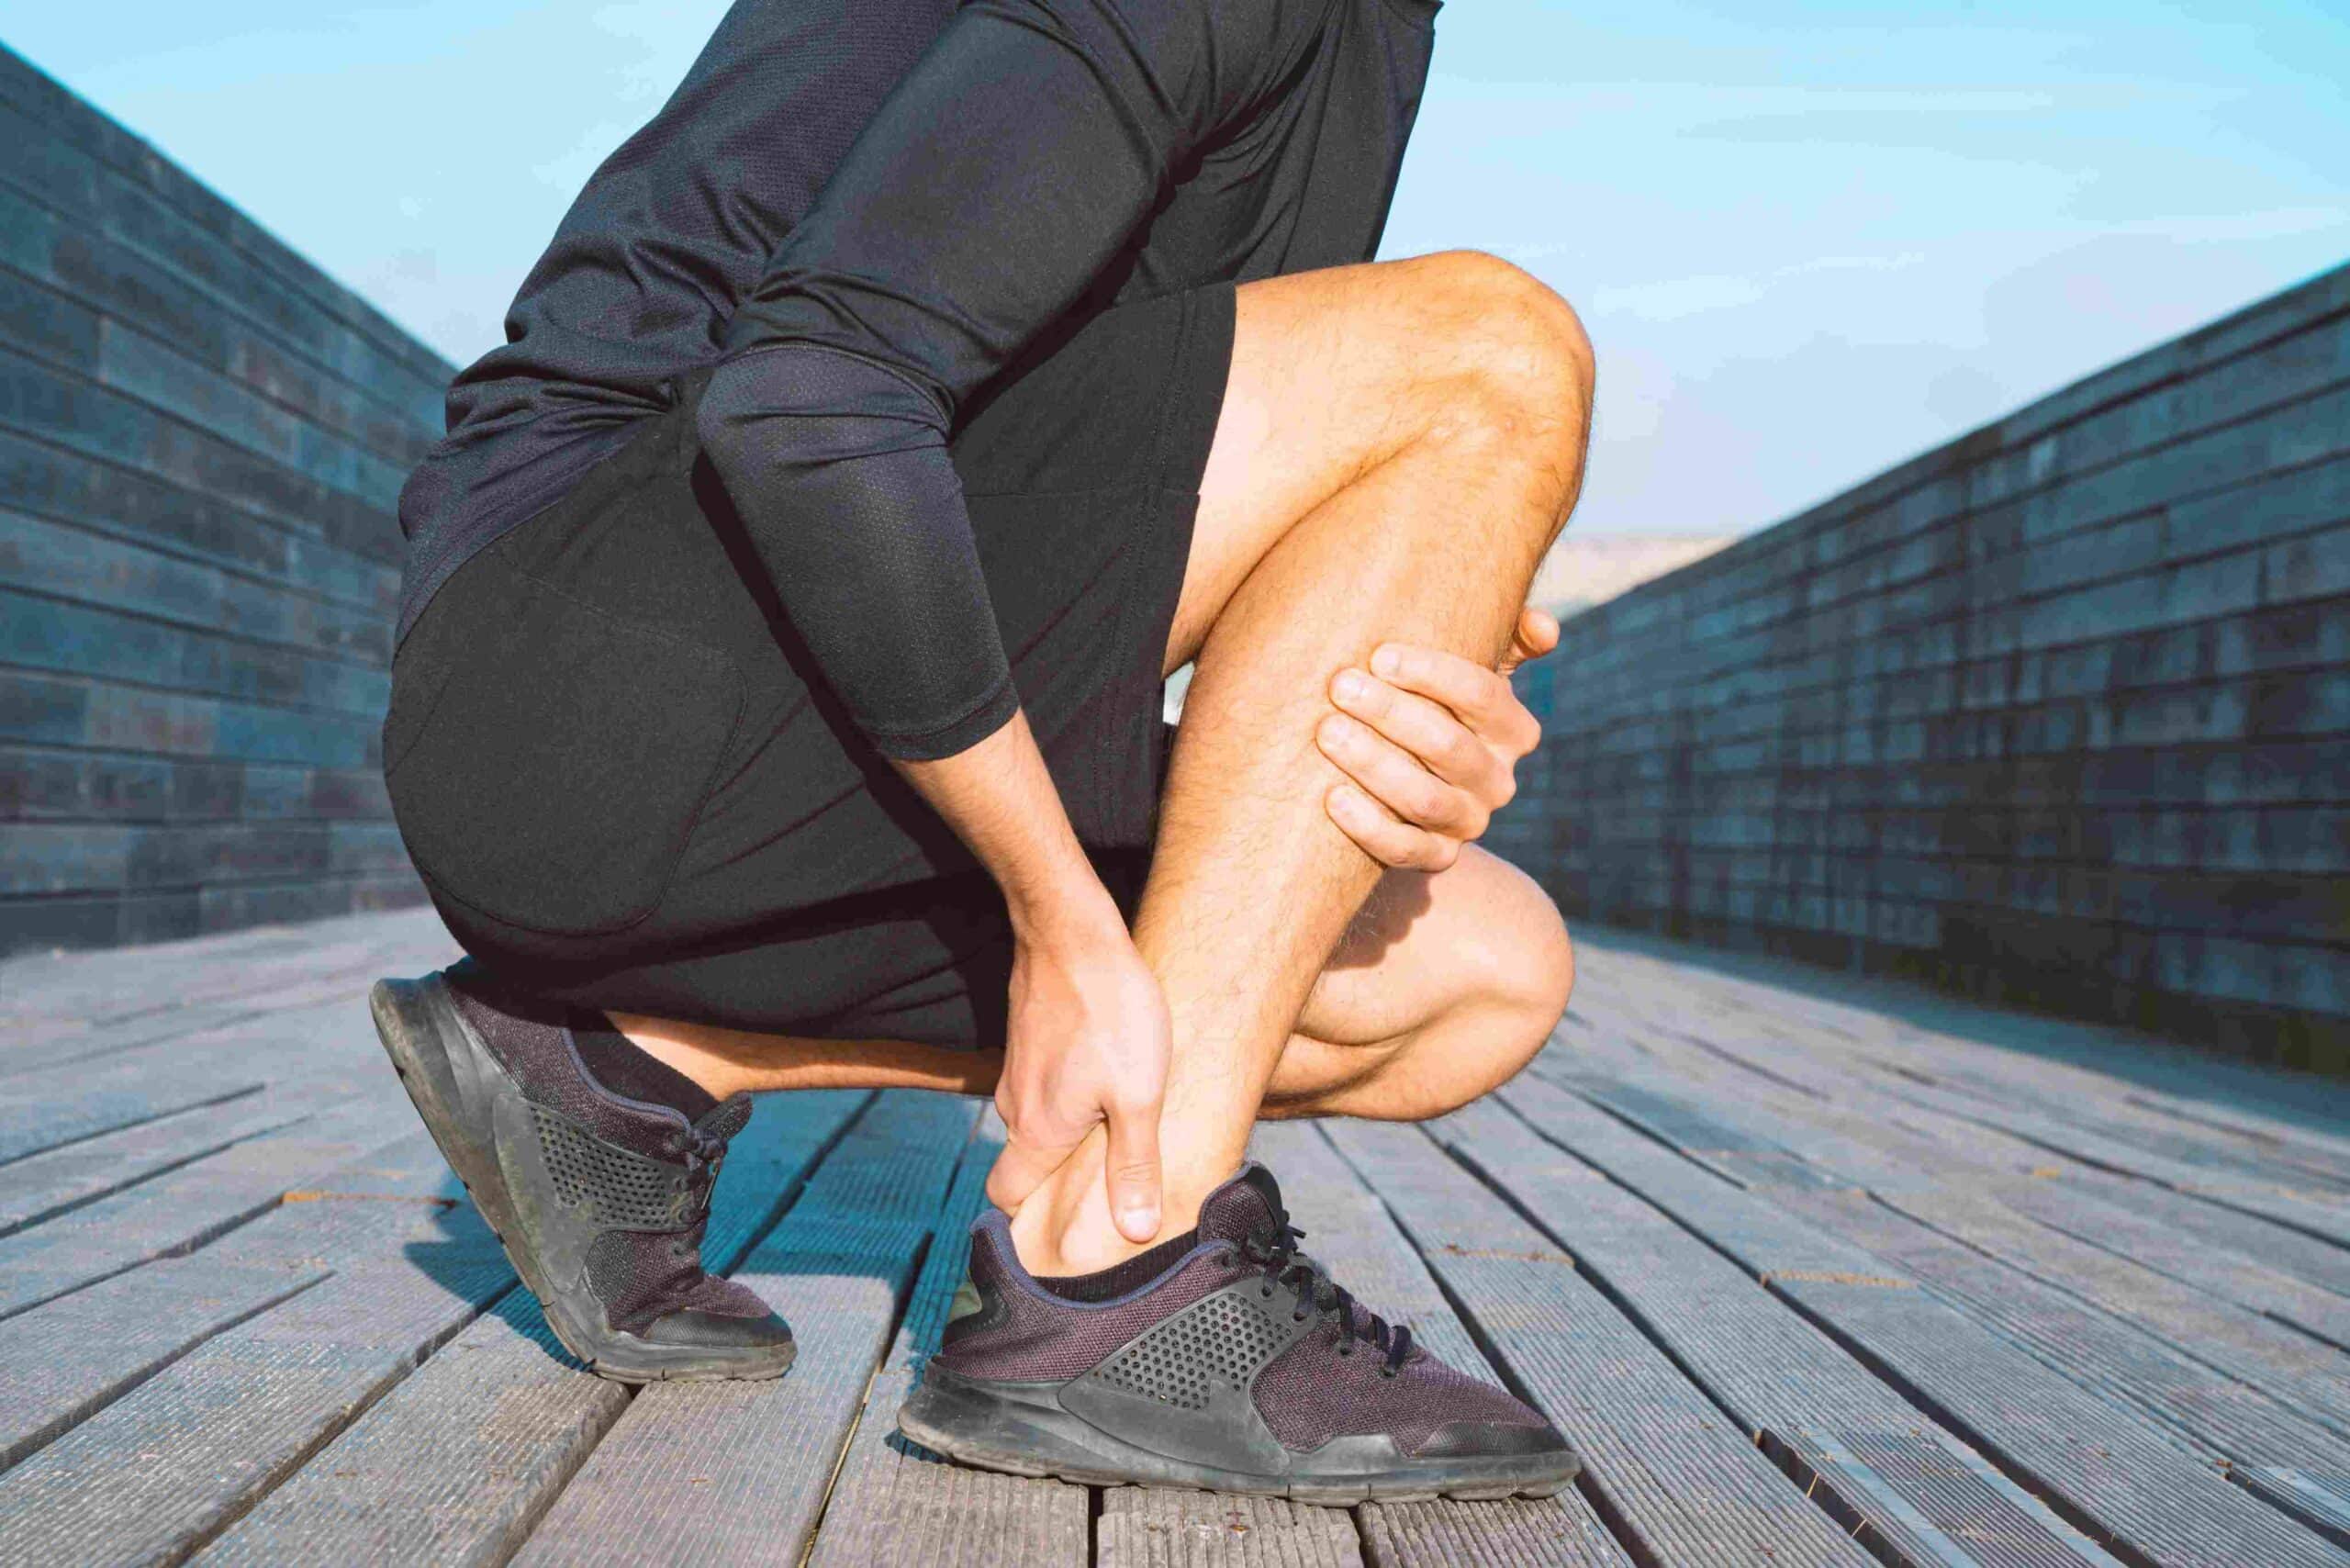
1431 741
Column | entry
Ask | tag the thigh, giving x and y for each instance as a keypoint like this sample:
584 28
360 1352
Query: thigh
1333 371
1326 384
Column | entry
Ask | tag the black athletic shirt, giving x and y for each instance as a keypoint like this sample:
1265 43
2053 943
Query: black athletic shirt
863 210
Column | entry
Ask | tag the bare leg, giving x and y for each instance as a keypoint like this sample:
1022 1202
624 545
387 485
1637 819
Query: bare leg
1444 403
1399 443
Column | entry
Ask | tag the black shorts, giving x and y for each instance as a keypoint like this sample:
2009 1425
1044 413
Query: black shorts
625 784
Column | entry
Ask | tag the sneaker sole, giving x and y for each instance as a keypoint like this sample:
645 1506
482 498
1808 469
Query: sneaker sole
1034 1436
436 1056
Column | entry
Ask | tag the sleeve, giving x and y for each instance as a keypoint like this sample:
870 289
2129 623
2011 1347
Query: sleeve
990 189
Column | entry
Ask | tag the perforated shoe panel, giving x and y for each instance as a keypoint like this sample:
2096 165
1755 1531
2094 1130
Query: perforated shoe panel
626 1189
1223 1340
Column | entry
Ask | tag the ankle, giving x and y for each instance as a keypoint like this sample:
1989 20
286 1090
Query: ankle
1065 1226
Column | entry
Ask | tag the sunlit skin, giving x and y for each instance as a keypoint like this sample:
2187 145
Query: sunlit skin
1399 444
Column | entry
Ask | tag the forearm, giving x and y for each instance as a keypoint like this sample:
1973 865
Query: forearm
1000 800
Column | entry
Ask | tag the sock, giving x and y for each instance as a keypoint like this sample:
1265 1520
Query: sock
1120 1277
626 1068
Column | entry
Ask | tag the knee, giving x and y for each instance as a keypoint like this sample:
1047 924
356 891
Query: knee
1533 973
1518 350
1520 978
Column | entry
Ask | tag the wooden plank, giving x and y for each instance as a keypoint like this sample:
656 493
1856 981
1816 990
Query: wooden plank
1152 1527
197 1023
121 1097
2287 1365
2324 1500
1489 1535
836 1268
1894 1164
896 1498
2309 1210
186 1208
234 1416
2054 1185
1675 1479
232 1419
2238 1268
453 1465
2188 1387
1355 1237
322 1026
506 1414
44 1186
2097 1103
65 1362
2151 1496
2163 1352
1807 1401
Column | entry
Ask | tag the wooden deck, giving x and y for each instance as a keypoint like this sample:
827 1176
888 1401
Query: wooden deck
1814 1271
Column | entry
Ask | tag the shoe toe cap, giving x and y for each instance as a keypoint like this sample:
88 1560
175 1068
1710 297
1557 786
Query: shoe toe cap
692 1325
1486 1439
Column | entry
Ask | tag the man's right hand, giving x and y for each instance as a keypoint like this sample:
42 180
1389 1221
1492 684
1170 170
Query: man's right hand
1089 1036
1087 1046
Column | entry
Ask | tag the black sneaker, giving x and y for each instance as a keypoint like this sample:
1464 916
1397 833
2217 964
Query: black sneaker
599 1199
1224 1358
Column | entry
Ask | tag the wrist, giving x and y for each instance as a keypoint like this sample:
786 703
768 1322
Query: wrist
1064 913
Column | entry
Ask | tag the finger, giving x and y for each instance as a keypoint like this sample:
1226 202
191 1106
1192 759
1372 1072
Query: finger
1479 695
1398 780
1538 632
1433 733
1385 839
1133 1170
1019 1170
1537 635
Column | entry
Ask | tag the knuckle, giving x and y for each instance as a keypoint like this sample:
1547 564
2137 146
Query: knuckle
1429 804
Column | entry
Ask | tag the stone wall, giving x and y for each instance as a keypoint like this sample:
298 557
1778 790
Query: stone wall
2058 713
201 439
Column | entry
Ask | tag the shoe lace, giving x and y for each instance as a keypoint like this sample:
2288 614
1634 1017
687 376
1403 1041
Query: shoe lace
1274 1247
701 1145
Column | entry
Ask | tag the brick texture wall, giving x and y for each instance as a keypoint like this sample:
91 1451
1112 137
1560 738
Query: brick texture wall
201 439
2057 714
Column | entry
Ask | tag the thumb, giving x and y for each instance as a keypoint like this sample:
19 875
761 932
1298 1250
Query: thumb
1132 1172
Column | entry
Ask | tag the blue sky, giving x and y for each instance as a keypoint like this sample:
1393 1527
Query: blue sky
1808 239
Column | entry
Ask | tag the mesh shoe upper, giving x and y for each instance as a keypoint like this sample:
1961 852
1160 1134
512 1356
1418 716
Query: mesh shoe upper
642 1170
1222 1308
